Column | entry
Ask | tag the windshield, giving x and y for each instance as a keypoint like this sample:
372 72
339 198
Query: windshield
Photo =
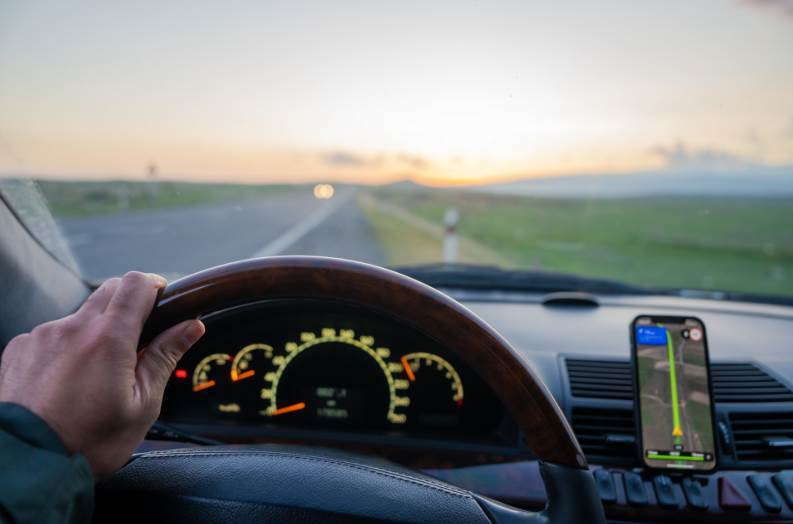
646 143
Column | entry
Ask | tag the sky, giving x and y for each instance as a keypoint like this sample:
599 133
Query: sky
437 92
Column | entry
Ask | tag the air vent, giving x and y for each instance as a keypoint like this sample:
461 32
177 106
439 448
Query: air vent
763 437
605 435
732 382
611 379
746 383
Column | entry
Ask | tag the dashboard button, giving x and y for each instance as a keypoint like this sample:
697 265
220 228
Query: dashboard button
730 497
605 484
665 492
765 493
634 489
784 483
693 492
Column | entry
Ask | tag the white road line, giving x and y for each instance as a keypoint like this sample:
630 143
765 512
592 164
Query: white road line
299 230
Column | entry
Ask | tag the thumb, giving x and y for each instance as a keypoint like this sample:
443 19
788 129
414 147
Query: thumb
158 360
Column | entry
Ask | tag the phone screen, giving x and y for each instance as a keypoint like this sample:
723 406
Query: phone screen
673 393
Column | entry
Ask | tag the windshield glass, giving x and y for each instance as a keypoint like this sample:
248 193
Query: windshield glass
648 143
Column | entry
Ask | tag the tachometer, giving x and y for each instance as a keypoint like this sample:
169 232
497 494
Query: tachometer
436 390
210 371
335 377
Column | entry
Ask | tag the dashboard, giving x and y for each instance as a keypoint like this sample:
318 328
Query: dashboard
275 368
334 374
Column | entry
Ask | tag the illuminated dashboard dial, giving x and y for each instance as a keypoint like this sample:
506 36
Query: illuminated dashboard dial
251 360
211 371
335 377
436 390
335 367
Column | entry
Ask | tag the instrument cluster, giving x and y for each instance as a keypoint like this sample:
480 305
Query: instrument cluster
326 365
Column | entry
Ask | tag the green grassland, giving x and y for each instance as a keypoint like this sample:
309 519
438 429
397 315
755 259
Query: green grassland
735 244
77 198
407 243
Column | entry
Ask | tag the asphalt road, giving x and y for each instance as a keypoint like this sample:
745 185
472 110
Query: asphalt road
182 240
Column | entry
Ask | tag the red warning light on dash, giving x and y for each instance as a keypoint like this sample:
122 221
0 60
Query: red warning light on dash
180 373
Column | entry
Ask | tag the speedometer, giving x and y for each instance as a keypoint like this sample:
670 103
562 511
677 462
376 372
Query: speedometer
335 377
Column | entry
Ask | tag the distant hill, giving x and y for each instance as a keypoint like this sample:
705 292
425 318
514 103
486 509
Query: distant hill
755 182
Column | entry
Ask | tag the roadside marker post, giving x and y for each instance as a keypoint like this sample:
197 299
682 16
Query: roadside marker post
450 219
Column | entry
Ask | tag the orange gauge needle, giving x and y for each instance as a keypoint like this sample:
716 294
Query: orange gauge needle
288 409
241 376
204 385
409 371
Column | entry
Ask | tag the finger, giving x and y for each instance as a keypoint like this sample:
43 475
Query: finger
158 360
133 300
97 302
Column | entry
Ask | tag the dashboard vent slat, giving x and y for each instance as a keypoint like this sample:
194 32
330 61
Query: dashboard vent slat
740 383
611 379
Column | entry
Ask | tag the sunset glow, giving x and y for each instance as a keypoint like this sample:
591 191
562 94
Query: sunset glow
371 92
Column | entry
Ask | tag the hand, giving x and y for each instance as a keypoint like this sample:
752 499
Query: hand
83 375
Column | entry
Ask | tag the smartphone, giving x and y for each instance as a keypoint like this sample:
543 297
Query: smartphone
673 397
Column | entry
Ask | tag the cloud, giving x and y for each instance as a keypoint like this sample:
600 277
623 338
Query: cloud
348 159
414 161
345 159
680 156
782 7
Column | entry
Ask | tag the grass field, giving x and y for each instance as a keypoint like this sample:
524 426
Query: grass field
736 244
409 240
70 198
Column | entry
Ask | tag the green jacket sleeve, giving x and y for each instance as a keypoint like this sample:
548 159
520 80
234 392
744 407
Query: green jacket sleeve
40 481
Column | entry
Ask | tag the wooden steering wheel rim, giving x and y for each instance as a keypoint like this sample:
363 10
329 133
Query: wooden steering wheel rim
423 308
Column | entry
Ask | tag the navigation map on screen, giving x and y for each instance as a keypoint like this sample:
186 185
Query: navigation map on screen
674 394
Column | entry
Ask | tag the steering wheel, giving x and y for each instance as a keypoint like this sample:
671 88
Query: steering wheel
261 483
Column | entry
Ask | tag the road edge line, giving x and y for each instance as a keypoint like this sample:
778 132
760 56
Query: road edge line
302 228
